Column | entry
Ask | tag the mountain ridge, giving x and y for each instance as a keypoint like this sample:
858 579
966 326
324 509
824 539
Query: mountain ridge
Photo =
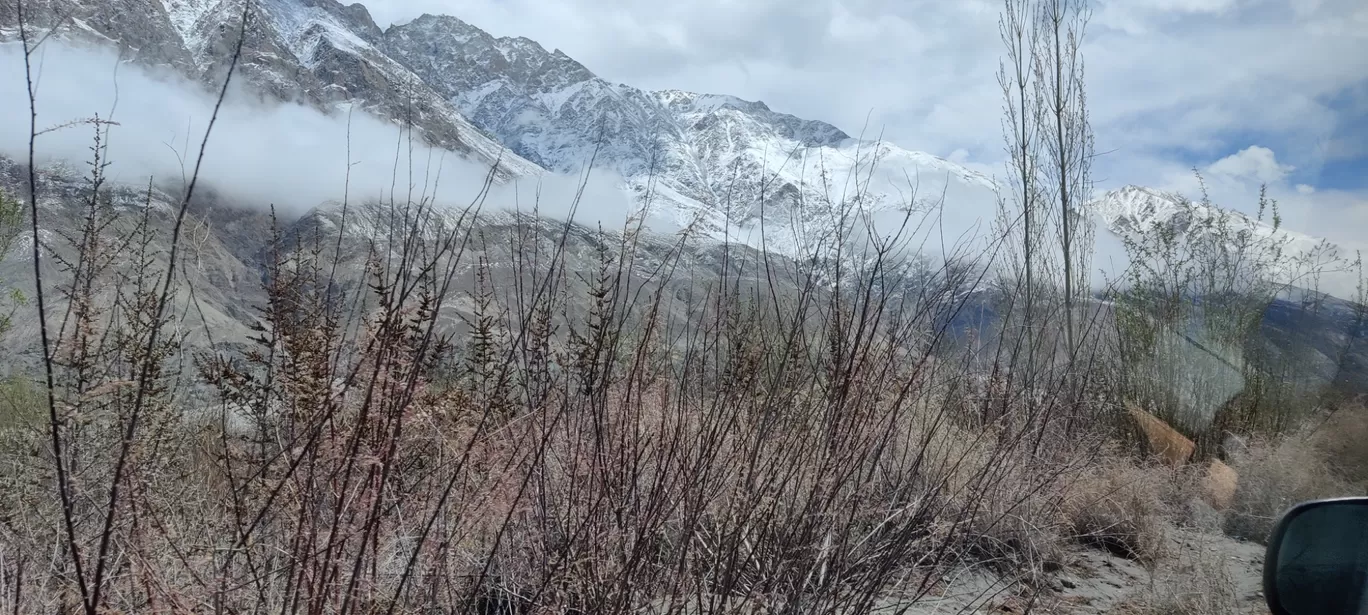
714 162
711 158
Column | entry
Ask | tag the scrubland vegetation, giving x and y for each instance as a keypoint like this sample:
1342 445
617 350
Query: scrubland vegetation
683 427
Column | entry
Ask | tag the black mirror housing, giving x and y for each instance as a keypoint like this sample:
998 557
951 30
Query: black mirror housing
1317 559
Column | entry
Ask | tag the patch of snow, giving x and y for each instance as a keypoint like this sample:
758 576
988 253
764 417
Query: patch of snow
88 31
185 16
304 28
22 248
472 98
555 99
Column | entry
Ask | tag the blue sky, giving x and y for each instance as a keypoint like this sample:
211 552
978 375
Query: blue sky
1343 159
1330 156
1247 91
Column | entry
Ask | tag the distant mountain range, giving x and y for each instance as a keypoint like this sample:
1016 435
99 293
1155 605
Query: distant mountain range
712 162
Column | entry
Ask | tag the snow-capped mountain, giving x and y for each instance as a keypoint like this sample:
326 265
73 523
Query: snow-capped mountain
1140 214
708 161
314 52
715 162
1134 210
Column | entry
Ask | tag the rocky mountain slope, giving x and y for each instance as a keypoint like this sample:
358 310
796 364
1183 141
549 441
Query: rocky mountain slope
228 249
221 276
709 159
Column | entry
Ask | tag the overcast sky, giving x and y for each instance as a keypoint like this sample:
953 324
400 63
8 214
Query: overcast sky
1249 91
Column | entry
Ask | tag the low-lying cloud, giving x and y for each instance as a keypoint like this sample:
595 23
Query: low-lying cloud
259 154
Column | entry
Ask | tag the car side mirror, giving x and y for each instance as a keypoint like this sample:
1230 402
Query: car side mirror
1317 559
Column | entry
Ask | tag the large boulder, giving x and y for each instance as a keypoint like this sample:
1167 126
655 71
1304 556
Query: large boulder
1164 441
1219 484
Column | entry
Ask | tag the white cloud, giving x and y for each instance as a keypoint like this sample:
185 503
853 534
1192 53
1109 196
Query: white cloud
1343 148
1305 7
1253 162
1141 16
283 154
1181 6
1305 189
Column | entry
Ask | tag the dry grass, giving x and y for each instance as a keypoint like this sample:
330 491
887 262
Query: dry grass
1196 582
1273 476
1342 440
1122 508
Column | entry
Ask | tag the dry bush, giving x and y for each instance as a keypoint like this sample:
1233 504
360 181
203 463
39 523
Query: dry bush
1342 440
1273 477
1184 497
593 443
1122 508
1198 582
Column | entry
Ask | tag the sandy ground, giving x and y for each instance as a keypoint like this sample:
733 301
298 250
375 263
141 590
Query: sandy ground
1095 581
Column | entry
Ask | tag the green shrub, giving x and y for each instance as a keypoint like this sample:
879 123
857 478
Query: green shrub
21 404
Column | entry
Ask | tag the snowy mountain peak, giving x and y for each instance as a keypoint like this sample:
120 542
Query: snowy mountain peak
459 46
1136 210
1136 207
359 17
692 107
690 102
710 157
1137 213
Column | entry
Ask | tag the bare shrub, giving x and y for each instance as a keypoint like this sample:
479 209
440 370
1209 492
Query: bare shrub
1121 508
784 433
1273 476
